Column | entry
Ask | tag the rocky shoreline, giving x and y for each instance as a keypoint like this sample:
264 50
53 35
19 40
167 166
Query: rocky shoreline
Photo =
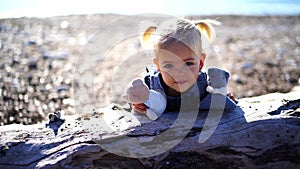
38 57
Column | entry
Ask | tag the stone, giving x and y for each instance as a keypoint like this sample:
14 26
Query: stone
56 55
32 64
62 88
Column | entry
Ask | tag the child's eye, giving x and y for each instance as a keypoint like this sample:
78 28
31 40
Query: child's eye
189 63
168 66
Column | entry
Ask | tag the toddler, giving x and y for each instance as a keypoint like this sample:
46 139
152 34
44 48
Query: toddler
179 59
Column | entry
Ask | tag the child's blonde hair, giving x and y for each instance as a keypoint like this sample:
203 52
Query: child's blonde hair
186 31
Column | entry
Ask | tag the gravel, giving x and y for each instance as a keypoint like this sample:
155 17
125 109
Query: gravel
38 57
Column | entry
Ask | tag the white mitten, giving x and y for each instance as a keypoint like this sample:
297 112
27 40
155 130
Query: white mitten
222 90
154 100
218 81
157 103
138 92
151 115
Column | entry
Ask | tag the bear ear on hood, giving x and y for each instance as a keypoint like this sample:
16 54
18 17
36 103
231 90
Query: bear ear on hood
149 38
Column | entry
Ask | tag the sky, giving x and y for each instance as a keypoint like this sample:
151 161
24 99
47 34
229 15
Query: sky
46 8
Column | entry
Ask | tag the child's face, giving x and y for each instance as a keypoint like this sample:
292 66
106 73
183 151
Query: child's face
179 66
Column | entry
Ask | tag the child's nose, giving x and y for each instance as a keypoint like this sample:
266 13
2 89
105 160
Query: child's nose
178 72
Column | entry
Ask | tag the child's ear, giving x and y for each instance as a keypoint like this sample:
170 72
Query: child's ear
155 61
201 62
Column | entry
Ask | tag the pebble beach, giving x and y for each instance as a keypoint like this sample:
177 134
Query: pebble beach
38 57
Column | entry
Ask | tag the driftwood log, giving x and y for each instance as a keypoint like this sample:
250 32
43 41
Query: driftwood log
263 132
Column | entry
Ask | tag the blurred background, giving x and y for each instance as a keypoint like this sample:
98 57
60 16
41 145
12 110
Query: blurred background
46 8
40 42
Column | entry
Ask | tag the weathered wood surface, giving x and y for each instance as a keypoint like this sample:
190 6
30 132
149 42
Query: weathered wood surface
263 132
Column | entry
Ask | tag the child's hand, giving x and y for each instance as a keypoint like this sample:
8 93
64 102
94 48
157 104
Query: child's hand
231 96
139 107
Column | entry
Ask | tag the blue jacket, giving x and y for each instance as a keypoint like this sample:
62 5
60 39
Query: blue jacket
197 94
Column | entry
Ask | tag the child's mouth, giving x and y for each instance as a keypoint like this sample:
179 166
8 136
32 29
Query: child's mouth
180 83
